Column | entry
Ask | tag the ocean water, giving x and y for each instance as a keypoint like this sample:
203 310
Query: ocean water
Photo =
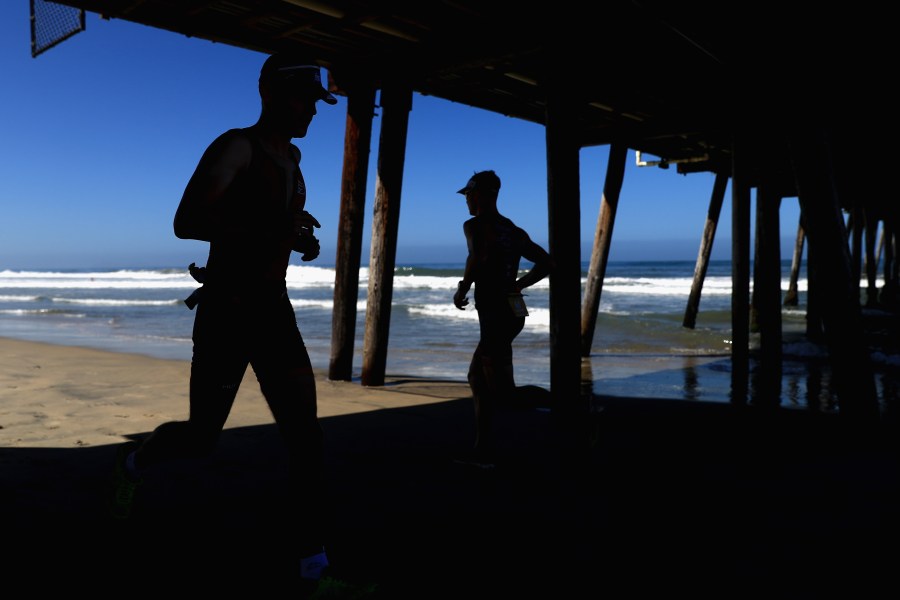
640 347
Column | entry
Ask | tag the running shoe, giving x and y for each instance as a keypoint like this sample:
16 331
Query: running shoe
330 587
124 487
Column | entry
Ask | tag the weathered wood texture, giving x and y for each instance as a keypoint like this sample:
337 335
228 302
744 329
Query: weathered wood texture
706 246
791 298
357 140
396 102
606 220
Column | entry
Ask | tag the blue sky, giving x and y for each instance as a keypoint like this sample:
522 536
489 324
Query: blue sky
101 133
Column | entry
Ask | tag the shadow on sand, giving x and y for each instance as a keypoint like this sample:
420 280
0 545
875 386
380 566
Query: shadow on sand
646 496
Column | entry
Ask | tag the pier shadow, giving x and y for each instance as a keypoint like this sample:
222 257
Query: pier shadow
661 496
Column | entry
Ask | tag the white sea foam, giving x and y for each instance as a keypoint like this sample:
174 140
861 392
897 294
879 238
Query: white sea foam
125 279
14 298
38 311
444 311
115 302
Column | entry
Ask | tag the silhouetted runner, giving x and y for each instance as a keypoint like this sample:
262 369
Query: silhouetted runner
496 246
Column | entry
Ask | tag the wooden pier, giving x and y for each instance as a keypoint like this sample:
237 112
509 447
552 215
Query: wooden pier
682 82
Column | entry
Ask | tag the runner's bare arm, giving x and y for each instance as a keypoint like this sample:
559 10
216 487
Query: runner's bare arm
543 264
222 160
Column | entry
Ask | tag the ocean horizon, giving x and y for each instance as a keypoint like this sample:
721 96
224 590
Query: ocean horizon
640 347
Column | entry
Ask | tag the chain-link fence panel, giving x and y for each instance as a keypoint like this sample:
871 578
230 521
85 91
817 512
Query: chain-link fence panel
51 23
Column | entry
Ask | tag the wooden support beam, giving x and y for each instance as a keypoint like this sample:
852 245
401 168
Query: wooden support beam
563 201
357 140
706 245
740 277
767 297
853 378
857 223
791 298
396 102
871 257
606 219
815 330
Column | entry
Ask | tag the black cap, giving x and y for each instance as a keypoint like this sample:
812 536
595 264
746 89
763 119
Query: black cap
295 70
483 181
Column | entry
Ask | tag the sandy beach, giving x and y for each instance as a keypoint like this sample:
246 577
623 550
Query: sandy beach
66 397
644 496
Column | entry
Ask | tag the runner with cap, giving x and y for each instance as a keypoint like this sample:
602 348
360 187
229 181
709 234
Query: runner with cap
247 198
496 246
